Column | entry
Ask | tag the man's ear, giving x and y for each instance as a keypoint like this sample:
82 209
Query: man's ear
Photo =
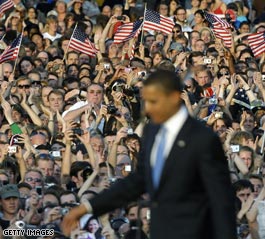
175 96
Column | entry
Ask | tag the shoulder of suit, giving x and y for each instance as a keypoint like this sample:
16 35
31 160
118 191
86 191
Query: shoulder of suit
200 127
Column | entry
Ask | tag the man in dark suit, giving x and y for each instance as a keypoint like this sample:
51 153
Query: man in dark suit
183 168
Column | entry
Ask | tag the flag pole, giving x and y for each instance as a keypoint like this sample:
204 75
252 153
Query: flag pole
263 142
3 37
142 35
69 42
13 73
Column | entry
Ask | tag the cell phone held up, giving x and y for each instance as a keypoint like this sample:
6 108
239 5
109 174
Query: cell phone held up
235 148
16 140
12 149
121 18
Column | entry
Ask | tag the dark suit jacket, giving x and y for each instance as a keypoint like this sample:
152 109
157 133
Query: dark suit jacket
194 199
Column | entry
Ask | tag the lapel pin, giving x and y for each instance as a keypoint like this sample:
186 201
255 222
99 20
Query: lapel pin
181 143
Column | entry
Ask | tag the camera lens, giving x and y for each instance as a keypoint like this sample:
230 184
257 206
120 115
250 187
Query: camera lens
111 109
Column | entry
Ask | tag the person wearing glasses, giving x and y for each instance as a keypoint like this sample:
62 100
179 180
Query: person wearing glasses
23 84
180 17
34 178
35 78
177 30
94 99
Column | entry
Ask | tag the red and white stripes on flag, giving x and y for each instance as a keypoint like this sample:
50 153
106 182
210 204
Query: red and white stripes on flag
222 33
156 22
211 18
11 52
80 42
127 31
256 42
5 5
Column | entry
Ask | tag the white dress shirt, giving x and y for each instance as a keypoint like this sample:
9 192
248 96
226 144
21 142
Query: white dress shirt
78 105
173 126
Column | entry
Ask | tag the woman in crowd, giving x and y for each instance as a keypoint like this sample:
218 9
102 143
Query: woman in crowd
218 7
77 10
14 22
191 12
199 20
61 9
32 18
173 6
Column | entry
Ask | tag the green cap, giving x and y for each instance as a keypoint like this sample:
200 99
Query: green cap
9 190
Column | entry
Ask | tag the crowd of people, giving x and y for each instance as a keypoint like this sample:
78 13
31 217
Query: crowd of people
71 124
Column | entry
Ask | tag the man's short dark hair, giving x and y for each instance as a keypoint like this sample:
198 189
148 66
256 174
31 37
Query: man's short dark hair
31 45
244 23
255 176
242 184
166 65
167 80
71 52
194 54
56 92
67 192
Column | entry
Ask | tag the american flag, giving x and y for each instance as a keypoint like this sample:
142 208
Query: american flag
80 42
223 34
256 42
127 31
11 52
154 21
212 19
5 4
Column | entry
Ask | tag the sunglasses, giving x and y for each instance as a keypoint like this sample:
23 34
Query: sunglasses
36 83
37 133
44 156
23 86
30 179
177 31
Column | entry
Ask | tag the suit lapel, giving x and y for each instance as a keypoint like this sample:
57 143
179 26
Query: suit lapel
149 142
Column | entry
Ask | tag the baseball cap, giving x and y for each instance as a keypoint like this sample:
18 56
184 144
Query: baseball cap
257 105
176 46
9 190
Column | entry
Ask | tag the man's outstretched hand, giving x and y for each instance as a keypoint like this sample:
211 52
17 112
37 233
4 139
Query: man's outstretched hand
71 219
